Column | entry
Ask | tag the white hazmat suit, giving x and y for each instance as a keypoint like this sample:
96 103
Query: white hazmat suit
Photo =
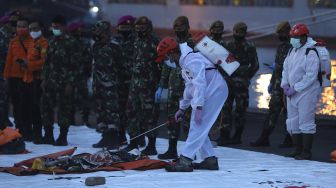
300 71
205 88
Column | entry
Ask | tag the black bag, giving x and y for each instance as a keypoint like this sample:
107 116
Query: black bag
16 146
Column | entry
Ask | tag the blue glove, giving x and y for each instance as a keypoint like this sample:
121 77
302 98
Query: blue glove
290 92
272 66
158 95
285 89
270 88
179 115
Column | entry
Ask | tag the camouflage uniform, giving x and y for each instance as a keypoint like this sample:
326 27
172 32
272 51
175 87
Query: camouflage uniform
245 53
5 36
127 46
81 90
145 73
60 69
105 82
276 104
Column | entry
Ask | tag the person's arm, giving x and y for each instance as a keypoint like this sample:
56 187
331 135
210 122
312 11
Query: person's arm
164 76
312 66
198 83
35 65
253 60
284 80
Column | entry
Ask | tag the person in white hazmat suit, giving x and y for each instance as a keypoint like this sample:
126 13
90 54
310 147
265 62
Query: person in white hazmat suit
302 88
205 91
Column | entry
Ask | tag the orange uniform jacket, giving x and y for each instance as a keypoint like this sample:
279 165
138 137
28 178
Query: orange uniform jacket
37 50
16 51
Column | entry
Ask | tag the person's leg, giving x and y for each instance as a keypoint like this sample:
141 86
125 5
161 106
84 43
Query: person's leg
292 123
26 107
37 124
48 102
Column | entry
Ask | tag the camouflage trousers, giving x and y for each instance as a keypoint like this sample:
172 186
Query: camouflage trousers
106 99
276 105
54 96
140 110
3 103
123 90
81 97
172 107
238 93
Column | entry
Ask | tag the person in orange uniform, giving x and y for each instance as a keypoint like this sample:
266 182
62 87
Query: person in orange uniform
36 56
16 63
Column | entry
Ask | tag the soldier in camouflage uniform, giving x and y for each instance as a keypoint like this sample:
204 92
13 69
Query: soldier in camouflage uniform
245 53
125 38
171 78
145 76
58 75
106 56
276 104
7 31
76 30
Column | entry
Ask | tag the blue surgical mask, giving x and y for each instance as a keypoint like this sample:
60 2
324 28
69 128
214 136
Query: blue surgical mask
57 32
170 63
35 34
295 42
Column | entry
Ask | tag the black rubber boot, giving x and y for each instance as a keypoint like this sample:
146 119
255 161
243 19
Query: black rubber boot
122 134
134 144
110 139
263 140
37 138
142 141
224 138
236 139
287 143
49 135
183 164
62 138
307 142
151 148
171 153
297 143
210 163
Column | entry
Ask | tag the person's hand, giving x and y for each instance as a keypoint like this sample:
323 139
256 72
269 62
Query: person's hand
68 90
285 89
290 92
270 88
198 116
158 94
179 115
22 63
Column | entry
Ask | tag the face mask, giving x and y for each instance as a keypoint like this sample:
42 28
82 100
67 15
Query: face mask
13 23
295 42
170 63
22 32
181 34
35 34
57 32
125 32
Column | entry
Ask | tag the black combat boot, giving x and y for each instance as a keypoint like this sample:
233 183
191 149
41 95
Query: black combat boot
134 144
224 139
307 142
210 163
37 131
62 138
171 153
297 143
122 135
151 148
49 135
110 139
263 140
287 143
236 139
183 164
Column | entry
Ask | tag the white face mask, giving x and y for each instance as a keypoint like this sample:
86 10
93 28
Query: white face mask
35 34
295 42
57 32
170 63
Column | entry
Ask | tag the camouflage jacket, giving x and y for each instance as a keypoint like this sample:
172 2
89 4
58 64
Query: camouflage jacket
106 67
85 59
145 71
221 41
280 57
62 61
126 63
5 36
246 54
